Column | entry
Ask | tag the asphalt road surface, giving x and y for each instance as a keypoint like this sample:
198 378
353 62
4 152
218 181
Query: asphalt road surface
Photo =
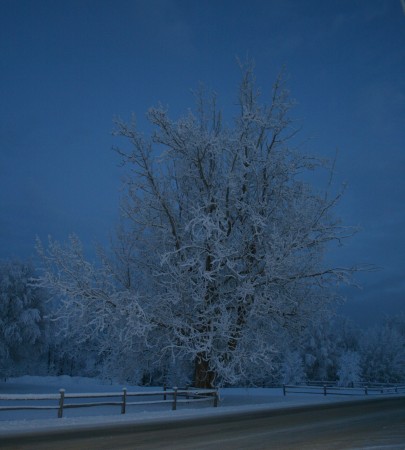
368 424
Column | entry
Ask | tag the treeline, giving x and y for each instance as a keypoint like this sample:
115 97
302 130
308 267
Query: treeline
340 351
31 342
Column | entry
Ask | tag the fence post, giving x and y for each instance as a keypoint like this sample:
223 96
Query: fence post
365 390
216 398
124 401
324 389
164 390
174 405
61 402
284 390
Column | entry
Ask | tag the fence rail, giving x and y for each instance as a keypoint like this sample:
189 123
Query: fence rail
172 396
333 389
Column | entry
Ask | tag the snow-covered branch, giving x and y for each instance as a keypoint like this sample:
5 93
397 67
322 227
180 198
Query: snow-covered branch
226 241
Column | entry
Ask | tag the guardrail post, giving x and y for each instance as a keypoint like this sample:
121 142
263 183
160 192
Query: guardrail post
324 389
365 390
216 398
124 400
284 392
174 405
164 390
61 402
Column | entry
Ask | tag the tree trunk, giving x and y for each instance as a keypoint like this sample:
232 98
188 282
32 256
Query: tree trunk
204 377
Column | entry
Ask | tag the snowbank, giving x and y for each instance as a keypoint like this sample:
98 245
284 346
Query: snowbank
231 400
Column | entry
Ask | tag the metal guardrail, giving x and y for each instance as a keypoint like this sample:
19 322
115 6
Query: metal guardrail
177 396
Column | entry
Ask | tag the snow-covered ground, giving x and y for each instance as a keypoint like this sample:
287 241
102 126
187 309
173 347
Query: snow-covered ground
231 400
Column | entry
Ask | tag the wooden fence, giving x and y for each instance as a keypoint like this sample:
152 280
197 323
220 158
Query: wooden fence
333 389
122 399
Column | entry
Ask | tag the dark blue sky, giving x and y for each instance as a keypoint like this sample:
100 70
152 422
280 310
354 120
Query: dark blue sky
68 67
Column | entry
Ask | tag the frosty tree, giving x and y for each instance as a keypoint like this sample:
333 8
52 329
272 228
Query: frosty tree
222 250
383 353
349 372
21 317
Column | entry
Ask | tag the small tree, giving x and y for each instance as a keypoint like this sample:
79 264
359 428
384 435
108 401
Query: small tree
292 371
349 372
323 345
222 246
383 354
21 318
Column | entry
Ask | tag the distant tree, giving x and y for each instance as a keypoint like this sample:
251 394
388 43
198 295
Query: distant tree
396 322
21 318
321 352
383 354
222 243
324 344
349 372
293 371
64 355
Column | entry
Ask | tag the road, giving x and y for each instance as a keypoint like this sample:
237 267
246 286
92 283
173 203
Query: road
367 424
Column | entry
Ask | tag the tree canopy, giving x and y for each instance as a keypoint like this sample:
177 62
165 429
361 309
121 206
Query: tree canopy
21 315
220 256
